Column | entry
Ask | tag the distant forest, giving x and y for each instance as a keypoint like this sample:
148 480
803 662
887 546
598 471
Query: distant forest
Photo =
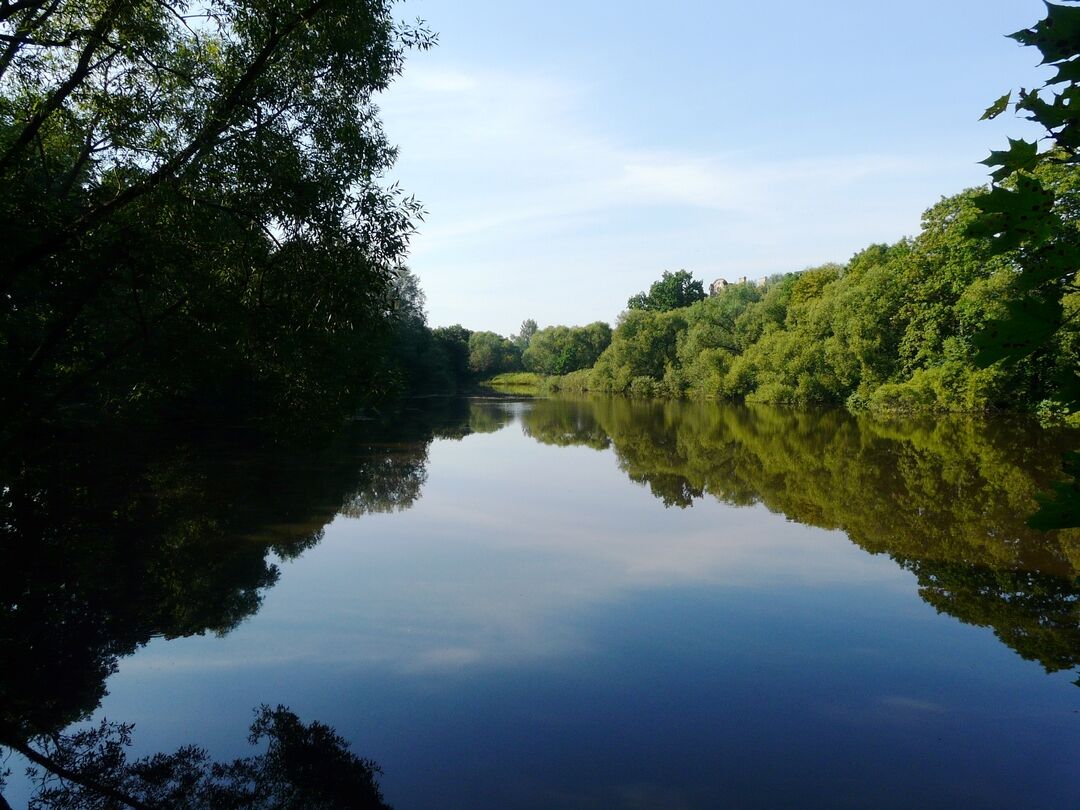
893 329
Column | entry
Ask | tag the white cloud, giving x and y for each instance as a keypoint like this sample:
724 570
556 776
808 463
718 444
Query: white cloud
527 190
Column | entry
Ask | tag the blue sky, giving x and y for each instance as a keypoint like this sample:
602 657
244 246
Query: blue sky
568 153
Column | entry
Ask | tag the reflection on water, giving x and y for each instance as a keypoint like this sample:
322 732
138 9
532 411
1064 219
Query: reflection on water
945 498
108 542
514 553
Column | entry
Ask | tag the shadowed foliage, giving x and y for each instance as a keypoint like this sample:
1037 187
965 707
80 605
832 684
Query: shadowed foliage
194 215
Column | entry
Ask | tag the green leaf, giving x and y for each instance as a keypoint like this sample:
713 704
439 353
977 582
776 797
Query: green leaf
1029 324
1029 196
1057 37
1061 111
1014 217
1053 263
1067 72
997 108
1021 156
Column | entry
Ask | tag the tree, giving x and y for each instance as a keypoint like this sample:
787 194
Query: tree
1021 214
643 347
454 342
490 354
672 291
562 349
193 202
528 329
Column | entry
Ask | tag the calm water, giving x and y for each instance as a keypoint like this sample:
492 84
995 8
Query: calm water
597 603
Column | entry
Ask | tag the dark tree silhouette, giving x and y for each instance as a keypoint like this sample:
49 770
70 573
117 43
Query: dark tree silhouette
302 766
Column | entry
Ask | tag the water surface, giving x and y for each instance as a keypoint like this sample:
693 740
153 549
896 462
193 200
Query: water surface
596 603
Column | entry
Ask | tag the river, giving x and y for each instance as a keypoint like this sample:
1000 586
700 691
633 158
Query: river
574 603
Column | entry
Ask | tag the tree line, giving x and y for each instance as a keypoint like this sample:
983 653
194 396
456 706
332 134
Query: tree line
895 329
898 328
453 358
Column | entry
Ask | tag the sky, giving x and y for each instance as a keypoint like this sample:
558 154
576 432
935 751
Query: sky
567 153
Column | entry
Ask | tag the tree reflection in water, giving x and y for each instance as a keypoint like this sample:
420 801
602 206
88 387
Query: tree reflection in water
946 498
111 540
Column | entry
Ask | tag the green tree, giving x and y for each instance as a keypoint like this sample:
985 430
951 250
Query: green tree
194 213
705 351
528 329
563 349
490 354
1025 216
453 341
643 348
672 291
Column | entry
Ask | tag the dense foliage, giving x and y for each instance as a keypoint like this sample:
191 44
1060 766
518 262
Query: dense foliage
491 354
462 357
1034 219
894 329
193 214
562 349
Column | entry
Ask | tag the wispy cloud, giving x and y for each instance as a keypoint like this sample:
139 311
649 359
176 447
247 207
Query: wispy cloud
523 179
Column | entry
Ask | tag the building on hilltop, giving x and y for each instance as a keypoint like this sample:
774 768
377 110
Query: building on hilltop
722 284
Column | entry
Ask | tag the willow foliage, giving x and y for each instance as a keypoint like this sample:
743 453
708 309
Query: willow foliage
193 210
